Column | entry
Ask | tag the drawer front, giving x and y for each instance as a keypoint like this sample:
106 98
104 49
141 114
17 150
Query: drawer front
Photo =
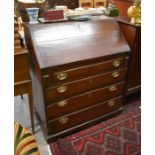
74 119
74 88
80 102
81 72
21 70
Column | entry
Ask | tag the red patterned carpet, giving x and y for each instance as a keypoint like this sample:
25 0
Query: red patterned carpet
117 136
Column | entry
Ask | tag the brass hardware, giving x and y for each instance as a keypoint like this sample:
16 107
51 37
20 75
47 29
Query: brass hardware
116 63
62 89
111 103
61 76
63 120
113 88
62 103
115 74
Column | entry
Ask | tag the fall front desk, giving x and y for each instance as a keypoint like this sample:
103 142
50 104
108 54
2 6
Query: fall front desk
78 72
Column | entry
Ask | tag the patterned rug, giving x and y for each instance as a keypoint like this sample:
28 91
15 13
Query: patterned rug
120 135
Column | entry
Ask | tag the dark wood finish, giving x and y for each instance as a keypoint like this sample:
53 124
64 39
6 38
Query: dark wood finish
132 34
71 4
89 98
84 85
82 126
82 116
87 49
22 81
123 6
84 72
81 32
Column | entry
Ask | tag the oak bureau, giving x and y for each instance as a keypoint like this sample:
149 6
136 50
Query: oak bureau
78 72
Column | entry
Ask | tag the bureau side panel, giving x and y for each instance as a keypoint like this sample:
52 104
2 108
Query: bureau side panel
133 37
35 74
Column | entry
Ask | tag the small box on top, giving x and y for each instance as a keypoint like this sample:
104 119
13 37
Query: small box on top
53 14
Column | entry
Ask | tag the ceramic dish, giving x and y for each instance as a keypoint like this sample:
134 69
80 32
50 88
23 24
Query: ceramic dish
80 17
95 11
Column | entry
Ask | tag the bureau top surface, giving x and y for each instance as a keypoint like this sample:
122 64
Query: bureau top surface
62 43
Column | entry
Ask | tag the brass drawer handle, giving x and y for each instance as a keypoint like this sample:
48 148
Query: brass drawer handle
63 120
61 76
62 89
115 74
116 63
113 88
62 103
111 103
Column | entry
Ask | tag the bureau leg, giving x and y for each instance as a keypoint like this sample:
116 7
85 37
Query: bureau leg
31 106
22 97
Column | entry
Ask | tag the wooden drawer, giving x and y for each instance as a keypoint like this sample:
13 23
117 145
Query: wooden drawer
86 71
80 102
69 89
82 116
21 70
21 87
